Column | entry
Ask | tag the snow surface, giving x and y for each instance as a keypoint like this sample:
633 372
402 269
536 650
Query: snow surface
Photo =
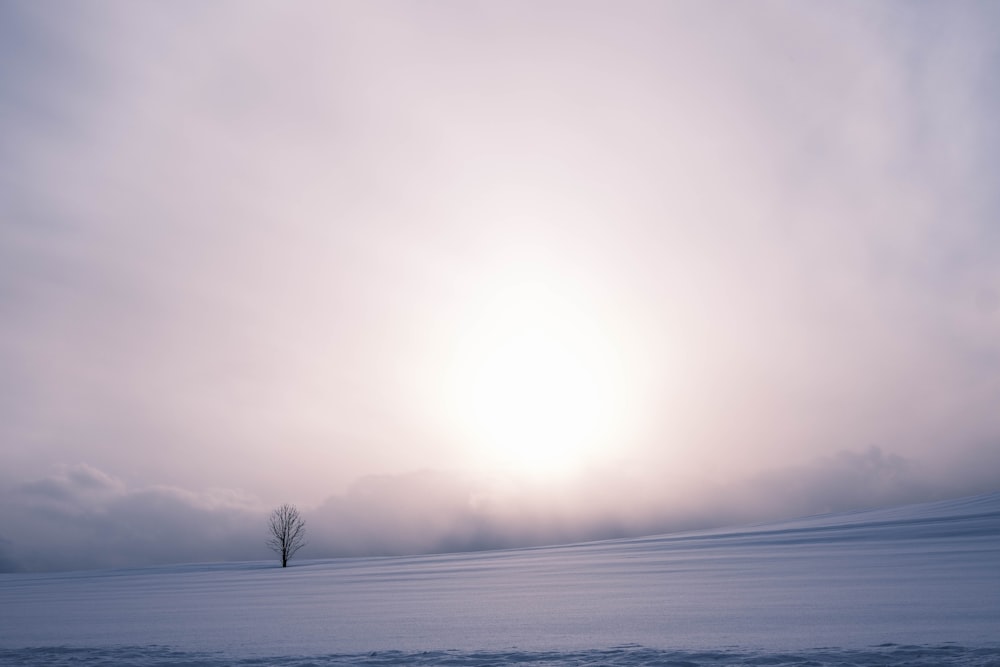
918 585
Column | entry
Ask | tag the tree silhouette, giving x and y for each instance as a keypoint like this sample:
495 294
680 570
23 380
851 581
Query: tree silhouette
288 532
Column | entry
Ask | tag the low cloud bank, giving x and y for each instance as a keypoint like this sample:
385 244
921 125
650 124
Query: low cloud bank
82 518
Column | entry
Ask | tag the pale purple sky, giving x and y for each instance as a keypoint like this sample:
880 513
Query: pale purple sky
473 274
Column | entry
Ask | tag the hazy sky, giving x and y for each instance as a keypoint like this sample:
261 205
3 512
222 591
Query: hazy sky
462 274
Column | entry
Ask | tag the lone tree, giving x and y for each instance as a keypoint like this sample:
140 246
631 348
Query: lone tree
288 532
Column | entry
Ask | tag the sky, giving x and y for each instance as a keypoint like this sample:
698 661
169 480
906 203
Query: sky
464 275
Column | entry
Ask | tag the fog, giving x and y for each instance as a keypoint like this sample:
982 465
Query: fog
81 518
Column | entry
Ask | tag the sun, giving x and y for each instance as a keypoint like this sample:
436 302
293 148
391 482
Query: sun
536 382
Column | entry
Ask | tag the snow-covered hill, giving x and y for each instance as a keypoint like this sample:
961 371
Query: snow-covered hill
916 585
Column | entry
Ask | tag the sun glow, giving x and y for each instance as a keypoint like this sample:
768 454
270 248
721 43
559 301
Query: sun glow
537 385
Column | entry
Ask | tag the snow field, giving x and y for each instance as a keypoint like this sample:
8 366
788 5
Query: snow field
918 585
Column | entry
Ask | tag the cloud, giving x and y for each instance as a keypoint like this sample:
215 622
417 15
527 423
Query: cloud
74 485
81 517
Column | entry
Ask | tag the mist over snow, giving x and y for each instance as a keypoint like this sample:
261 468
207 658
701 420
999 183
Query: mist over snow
82 518
459 275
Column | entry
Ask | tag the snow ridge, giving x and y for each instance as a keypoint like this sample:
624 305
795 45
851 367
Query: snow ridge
885 655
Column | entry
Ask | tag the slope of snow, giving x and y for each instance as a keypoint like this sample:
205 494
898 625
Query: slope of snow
914 585
885 655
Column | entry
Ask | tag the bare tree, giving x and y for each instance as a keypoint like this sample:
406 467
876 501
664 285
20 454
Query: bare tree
288 532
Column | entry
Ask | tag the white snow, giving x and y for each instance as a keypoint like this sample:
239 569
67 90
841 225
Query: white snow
917 585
